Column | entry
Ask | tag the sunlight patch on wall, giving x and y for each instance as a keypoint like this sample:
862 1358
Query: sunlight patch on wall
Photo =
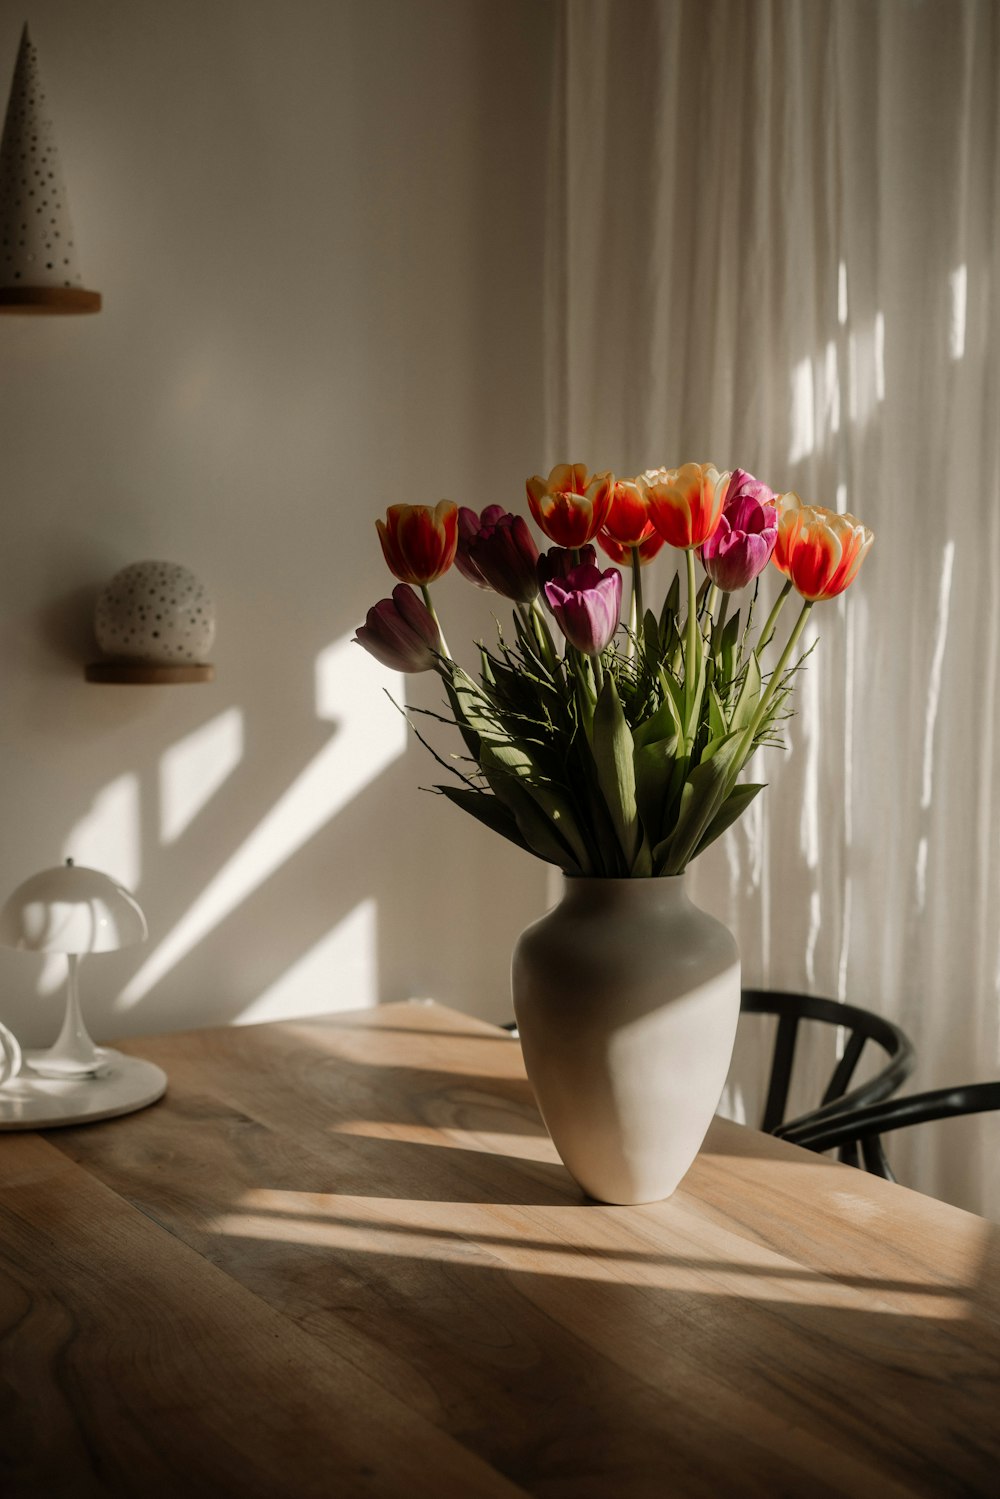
920 873
842 293
803 423
958 286
831 385
866 371
812 940
937 665
339 973
369 734
194 768
107 837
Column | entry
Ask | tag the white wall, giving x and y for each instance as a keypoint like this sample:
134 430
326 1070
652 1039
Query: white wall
316 230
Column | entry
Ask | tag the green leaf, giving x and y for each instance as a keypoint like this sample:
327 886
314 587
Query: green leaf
674 692
487 809
541 832
717 725
665 723
613 751
654 764
746 703
469 735
733 807
651 636
701 799
671 604
727 650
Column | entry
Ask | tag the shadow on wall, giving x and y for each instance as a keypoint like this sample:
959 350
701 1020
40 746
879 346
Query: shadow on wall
272 879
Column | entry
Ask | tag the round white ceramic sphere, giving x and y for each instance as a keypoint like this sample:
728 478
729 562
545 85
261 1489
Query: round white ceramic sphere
157 612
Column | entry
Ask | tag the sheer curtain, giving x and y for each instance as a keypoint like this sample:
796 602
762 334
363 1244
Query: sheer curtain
774 241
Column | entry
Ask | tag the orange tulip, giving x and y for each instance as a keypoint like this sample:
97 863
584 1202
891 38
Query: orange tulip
628 524
419 541
818 549
568 506
686 503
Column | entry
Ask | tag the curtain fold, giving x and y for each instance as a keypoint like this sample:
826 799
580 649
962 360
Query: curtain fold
774 242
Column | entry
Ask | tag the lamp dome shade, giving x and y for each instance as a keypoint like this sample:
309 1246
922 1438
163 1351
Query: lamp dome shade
157 612
71 909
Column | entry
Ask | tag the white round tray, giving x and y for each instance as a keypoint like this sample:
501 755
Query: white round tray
123 1084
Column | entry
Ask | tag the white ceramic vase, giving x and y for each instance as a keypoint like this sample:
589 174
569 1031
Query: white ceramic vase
626 997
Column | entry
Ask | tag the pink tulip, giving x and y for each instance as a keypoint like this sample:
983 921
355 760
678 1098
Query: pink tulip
587 606
740 547
401 632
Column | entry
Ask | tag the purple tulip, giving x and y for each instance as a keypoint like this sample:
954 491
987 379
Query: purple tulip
553 565
740 547
587 604
469 526
496 550
401 632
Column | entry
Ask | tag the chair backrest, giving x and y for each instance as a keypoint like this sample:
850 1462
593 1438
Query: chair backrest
863 1026
865 1127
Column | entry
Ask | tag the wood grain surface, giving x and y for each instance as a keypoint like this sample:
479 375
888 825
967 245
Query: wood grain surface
342 1258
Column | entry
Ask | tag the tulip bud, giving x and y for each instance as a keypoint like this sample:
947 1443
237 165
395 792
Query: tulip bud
401 632
569 506
419 541
496 550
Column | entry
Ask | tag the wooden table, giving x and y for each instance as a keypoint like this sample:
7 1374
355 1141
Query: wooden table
341 1258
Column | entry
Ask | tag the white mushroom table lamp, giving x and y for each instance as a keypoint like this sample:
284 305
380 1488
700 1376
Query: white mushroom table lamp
73 910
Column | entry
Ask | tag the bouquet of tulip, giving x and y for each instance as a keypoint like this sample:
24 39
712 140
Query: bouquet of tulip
614 748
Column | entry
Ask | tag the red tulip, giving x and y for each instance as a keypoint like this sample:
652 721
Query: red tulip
401 632
686 504
568 506
629 525
819 550
419 541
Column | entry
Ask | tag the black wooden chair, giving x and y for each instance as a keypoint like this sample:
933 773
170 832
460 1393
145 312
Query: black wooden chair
861 1130
864 1027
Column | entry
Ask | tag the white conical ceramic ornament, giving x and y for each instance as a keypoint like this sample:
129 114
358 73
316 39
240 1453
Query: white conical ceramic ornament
38 261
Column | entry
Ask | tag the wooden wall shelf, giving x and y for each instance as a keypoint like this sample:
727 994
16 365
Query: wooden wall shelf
147 673
49 299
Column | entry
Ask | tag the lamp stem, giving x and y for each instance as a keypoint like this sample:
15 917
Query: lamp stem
74 1053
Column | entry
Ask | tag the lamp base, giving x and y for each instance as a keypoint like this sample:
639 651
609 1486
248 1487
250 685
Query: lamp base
122 1084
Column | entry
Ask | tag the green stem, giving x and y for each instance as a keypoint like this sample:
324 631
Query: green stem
584 689
544 635
772 618
772 686
690 654
598 673
433 614
745 748
637 589
720 624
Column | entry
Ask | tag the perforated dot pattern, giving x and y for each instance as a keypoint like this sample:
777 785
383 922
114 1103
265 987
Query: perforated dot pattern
157 612
36 235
